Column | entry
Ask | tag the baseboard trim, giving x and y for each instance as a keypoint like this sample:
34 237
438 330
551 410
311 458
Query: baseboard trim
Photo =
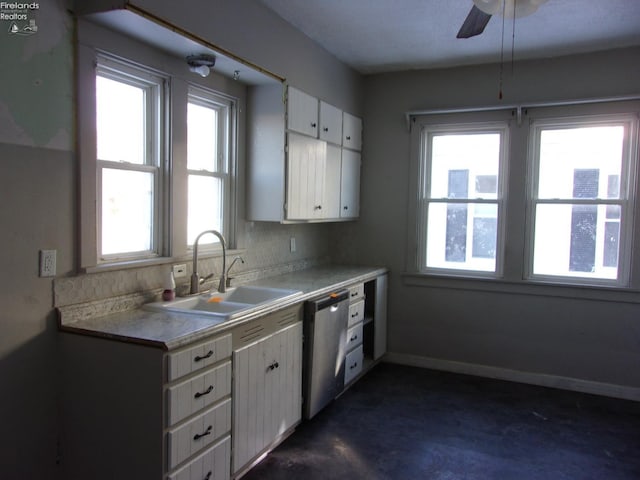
541 379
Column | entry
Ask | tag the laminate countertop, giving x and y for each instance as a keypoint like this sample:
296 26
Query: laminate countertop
170 330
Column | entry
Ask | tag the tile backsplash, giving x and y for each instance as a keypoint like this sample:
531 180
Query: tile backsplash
266 252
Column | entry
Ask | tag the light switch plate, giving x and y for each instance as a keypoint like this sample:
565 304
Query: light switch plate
47 263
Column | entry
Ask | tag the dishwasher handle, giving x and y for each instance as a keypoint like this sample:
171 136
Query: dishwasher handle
327 301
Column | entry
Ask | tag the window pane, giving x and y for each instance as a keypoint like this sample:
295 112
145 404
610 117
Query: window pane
575 240
462 236
127 211
120 121
476 154
580 162
205 208
202 133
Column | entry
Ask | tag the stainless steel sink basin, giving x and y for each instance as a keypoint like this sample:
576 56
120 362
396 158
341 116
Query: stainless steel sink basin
224 306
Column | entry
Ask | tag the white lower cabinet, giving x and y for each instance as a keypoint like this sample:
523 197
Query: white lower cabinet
213 464
267 387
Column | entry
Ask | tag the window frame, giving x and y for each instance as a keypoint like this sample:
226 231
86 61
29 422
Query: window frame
626 198
518 174
155 86
94 40
225 163
427 130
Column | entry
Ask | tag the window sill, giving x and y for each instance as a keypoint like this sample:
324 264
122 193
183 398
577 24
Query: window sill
539 288
150 262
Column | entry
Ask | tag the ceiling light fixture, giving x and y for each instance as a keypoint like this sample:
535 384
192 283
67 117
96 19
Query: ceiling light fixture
201 64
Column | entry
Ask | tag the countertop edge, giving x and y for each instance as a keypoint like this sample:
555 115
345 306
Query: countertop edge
92 327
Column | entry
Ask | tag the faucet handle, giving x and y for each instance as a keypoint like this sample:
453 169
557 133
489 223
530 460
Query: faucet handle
204 279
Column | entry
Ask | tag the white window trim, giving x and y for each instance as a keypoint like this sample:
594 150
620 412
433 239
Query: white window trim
156 85
515 278
93 40
424 129
226 162
626 201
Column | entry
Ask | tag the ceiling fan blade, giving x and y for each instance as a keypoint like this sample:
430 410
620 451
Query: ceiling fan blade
474 23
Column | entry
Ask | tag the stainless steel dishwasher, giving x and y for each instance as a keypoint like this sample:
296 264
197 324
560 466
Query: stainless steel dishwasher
325 336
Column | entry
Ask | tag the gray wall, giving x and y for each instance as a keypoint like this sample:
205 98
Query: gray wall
459 327
38 193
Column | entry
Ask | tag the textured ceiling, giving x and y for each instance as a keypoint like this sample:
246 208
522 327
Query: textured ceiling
376 36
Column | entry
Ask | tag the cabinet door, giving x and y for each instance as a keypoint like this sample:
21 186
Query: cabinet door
302 112
267 392
330 123
332 184
306 166
380 318
350 185
351 131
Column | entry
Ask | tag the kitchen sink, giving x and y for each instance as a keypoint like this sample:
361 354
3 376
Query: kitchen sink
224 306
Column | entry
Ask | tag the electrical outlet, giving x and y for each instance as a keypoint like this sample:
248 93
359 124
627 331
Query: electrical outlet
180 271
47 263
292 244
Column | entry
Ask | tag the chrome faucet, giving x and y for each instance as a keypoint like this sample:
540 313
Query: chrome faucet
230 267
195 278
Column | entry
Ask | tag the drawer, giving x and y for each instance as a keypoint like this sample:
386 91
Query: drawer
353 364
184 441
186 398
213 464
356 292
356 313
196 357
354 336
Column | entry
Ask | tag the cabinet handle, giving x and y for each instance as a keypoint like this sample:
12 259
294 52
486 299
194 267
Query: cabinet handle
206 392
318 207
204 357
314 124
354 315
207 476
326 129
198 436
354 294
346 207
354 338
273 366
348 137
353 366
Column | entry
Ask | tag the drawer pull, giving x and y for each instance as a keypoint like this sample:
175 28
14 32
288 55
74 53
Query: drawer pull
354 338
354 294
314 124
355 365
207 476
198 436
273 366
354 315
198 358
206 392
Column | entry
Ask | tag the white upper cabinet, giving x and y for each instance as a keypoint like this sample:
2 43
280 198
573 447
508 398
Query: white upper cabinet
350 184
302 112
330 123
297 170
306 168
351 131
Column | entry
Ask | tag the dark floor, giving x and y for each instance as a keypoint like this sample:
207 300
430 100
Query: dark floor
408 423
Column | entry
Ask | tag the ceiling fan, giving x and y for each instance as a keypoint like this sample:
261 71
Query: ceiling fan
482 11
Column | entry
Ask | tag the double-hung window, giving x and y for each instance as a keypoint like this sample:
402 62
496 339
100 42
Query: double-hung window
572 173
129 149
581 198
208 165
460 211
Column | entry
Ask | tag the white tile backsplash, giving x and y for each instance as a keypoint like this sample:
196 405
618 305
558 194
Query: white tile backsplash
267 253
